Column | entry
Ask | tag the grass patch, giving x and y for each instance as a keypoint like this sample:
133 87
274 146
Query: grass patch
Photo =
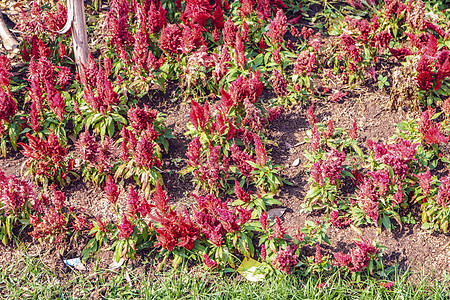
29 278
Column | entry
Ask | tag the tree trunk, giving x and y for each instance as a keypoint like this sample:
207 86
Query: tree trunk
9 41
79 33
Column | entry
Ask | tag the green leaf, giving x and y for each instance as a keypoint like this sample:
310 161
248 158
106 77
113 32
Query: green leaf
313 193
386 222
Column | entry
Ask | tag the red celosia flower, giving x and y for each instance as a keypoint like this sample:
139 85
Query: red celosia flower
425 181
240 51
15 193
52 223
436 28
336 96
368 200
431 131
400 53
277 28
316 173
160 199
416 15
241 194
80 223
133 203
117 23
312 120
142 118
199 115
315 139
279 83
111 190
398 196
443 196
209 262
229 33
354 132
387 285
263 9
305 63
61 50
332 165
143 154
393 8
260 152
330 130
8 105
263 220
87 147
381 39
263 253
106 152
194 151
217 17
318 256
246 7
48 152
125 228
55 101
381 179
276 55
285 260
240 158
102 226
170 39
58 198
5 64
244 215
278 230
63 76
140 51
339 221
222 64
196 12
156 17
274 112
358 258
424 76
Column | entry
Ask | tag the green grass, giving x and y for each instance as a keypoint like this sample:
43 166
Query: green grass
28 278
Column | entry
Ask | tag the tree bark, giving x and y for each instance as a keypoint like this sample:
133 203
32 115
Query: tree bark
9 41
79 33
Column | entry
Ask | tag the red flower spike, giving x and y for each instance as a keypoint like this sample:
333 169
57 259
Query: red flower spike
241 194
260 151
8 106
160 199
209 262
263 253
318 256
278 230
279 83
443 196
312 120
133 204
125 228
285 260
354 132
263 220
277 28
194 151
425 181
111 190
199 115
